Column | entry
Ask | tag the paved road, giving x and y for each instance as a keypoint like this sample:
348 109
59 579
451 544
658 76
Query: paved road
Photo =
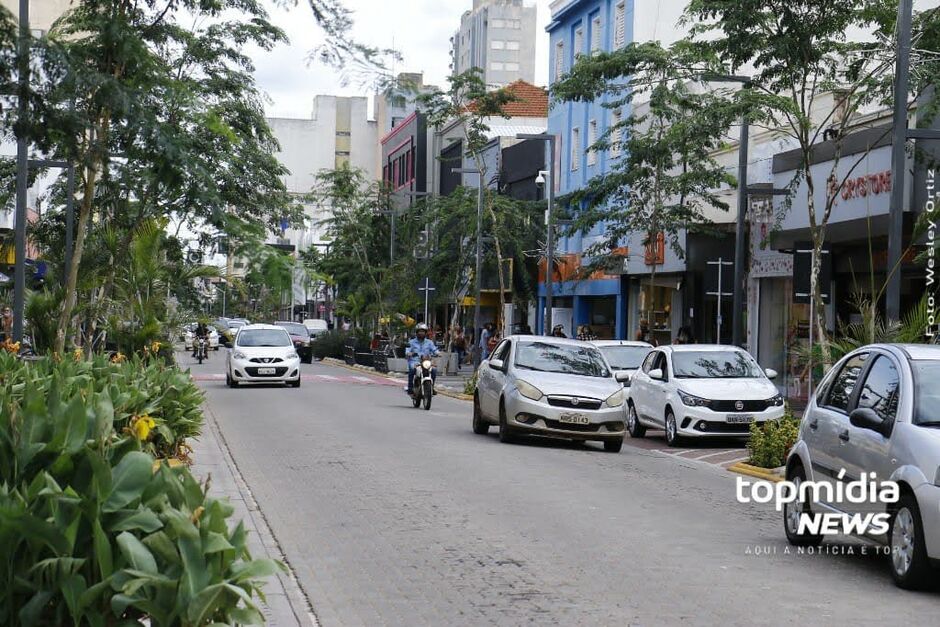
391 515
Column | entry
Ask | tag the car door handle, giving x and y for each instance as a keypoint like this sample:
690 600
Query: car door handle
814 425
844 436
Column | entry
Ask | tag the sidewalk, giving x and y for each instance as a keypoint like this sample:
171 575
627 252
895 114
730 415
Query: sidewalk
285 602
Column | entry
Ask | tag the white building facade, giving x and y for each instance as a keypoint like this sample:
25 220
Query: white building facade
498 37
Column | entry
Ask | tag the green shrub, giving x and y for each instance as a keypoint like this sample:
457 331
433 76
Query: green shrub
470 387
769 445
329 344
90 534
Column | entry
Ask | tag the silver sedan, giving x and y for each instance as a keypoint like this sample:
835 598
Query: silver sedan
549 386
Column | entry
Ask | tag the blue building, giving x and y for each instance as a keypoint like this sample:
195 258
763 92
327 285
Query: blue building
582 27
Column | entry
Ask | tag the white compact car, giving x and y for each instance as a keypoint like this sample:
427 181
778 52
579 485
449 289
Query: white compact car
262 353
700 391
623 355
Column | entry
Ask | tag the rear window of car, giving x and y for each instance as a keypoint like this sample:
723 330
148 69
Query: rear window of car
926 393
294 328
625 357
264 337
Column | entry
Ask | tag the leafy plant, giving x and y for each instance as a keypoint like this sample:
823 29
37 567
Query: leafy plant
470 387
329 344
769 444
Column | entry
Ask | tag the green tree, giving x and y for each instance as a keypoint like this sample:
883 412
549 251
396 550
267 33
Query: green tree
667 178
810 75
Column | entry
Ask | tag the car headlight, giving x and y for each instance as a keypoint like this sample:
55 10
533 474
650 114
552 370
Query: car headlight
528 390
426 364
693 401
239 355
775 401
615 399
292 355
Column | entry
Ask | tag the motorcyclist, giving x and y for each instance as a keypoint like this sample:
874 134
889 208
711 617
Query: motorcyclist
201 331
418 347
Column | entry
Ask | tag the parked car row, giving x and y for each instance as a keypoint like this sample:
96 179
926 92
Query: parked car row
602 390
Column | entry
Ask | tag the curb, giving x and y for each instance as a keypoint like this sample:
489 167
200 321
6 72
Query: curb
442 389
757 472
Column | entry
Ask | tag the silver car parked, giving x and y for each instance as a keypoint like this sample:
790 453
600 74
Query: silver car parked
551 387
878 410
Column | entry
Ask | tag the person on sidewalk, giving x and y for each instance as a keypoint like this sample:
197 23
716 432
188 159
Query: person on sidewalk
418 347
485 341
558 331
6 324
586 334
459 343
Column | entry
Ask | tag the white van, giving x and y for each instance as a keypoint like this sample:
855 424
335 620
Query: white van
315 326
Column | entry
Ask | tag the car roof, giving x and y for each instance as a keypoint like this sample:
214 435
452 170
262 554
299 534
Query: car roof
280 322
914 352
603 343
261 327
695 348
529 339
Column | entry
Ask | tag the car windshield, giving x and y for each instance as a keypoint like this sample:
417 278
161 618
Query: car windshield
719 364
234 324
625 357
264 337
927 401
294 328
567 359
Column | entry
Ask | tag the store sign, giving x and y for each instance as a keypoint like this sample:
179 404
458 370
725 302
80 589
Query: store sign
861 184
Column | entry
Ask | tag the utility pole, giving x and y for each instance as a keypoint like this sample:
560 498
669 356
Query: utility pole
22 172
898 161
737 314
549 228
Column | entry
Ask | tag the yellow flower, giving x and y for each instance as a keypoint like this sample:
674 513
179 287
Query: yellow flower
77 354
141 426
10 347
118 358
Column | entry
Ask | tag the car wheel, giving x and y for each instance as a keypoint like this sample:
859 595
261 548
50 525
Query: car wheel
910 566
480 426
792 512
672 429
229 381
505 435
634 427
613 446
308 359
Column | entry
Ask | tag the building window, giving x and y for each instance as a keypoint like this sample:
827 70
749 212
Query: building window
343 133
512 67
498 23
559 59
592 139
655 253
578 42
620 25
497 66
512 45
596 35
575 149
616 133
498 44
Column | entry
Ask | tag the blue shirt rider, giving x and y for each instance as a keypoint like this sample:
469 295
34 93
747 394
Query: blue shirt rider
419 347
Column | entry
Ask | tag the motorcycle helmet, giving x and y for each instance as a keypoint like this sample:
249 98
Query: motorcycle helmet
421 327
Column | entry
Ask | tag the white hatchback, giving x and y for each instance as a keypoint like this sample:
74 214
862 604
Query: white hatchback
701 391
262 353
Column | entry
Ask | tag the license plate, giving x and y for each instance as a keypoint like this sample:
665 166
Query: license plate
738 419
574 419
266 371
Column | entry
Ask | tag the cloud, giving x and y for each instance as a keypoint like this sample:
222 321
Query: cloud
419 29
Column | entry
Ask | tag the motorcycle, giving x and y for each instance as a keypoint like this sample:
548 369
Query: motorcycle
423 388
202 348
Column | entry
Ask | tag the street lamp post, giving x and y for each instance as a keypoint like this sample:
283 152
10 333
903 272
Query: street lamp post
477 277
549 227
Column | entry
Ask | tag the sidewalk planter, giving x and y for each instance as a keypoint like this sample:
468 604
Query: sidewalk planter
767 474
447 363
364 359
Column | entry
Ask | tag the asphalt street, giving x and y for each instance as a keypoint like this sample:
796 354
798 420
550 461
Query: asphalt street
392 515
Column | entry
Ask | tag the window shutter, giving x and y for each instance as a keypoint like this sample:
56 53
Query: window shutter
616 134
559 59
596 35
578 42
620 32
575 148
592 139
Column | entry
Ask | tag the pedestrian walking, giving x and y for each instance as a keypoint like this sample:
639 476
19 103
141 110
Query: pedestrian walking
495 337
485 335
643 334
685 335
559 331
459 344
586 334
6 323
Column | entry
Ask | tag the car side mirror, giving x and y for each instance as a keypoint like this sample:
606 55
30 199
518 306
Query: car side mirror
867 418
657 374
623 376
771 373
497 364
227 344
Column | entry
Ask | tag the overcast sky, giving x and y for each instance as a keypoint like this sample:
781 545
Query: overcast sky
419 29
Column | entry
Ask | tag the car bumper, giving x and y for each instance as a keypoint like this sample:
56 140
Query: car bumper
249 372
699 422
539 418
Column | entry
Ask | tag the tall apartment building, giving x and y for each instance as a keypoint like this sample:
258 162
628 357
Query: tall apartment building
498 37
